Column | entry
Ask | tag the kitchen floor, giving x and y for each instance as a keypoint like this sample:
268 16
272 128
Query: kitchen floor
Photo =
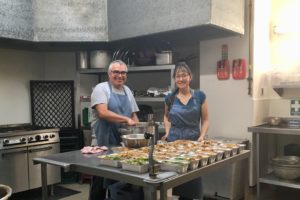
269 192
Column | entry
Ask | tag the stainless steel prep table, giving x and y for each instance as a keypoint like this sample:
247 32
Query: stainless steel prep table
262 174
89 164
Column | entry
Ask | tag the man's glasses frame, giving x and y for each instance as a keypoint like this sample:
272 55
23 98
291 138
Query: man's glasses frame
117 72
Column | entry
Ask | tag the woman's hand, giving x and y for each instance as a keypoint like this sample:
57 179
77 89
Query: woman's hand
164 138
201 138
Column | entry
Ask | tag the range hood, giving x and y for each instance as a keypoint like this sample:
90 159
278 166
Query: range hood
286 83
288 90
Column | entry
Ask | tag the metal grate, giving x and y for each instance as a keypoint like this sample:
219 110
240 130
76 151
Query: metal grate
52 104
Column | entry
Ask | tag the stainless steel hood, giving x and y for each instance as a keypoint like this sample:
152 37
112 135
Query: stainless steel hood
286 84
288 90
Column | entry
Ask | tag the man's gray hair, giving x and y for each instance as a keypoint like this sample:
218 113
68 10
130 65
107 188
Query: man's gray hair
114 62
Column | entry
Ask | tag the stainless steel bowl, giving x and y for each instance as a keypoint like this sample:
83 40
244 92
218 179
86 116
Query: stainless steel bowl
140 128
286 167
286 172
274 121
287 161
135 140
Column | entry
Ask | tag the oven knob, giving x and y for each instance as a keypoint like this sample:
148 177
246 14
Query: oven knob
5 141
30 139
37 137
52 136
22 139
45 136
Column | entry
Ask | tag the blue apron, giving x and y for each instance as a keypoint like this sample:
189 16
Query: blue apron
107 132
185 126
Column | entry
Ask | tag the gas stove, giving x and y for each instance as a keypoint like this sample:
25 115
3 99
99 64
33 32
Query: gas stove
21 135
19 145
18 127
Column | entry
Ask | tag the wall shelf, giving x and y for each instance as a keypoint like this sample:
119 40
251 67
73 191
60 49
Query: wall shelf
130 69
149 99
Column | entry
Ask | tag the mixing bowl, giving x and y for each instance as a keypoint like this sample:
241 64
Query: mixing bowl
135 140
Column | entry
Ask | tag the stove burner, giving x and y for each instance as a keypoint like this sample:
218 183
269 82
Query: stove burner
19 128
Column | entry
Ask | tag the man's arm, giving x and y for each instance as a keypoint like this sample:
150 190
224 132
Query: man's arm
110 116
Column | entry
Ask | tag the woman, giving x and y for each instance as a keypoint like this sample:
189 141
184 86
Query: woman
186 118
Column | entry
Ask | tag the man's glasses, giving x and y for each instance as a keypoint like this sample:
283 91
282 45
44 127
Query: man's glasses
117 72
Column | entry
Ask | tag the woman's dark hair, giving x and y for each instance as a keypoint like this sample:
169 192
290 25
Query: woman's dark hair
182 67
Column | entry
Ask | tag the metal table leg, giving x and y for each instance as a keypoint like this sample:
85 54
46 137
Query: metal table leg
246 164
150 193
163 192
44 181
257 167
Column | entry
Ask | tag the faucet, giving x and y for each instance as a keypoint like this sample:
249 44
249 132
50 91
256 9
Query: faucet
153 166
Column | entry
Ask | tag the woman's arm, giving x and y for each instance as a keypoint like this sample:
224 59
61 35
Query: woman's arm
167 124
204 121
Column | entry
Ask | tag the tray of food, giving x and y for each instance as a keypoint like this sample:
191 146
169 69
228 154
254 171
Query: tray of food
227 151
193 160
212 156
112 160
139 165
220 154
242 147
179 166
234 148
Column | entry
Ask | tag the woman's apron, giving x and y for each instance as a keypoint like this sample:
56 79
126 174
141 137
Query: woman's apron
185 126
107 132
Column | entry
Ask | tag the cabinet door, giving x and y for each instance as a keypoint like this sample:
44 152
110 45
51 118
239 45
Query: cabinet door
53 172
14 169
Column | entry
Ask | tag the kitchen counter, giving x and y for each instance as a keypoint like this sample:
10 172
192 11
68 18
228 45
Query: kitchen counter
262 134
281 129
89 164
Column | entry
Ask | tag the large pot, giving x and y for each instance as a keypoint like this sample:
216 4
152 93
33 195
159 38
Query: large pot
82 61
100 59
135 140
164 58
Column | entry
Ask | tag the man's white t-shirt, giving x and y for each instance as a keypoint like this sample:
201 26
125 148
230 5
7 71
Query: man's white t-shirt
101 94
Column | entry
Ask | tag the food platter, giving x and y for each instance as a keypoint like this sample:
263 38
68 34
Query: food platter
179 156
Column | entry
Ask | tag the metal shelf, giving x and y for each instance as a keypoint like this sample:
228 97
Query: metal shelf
151 68
274 180
150 99
130 69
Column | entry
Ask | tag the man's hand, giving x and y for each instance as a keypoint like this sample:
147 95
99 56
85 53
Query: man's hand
131 122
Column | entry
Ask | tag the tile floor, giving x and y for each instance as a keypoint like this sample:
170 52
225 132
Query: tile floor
269 192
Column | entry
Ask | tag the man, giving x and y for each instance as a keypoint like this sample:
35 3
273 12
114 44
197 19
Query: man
113 104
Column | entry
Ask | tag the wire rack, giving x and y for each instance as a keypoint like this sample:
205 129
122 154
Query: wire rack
52 104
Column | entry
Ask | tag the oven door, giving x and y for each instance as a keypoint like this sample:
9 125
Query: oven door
53 172
13 168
